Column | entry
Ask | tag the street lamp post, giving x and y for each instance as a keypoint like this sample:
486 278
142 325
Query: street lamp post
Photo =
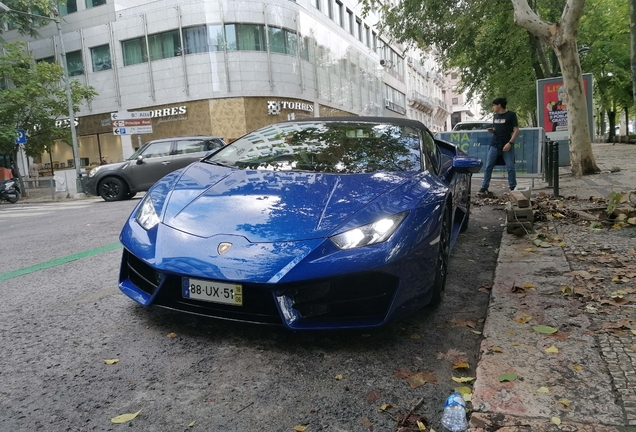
69 99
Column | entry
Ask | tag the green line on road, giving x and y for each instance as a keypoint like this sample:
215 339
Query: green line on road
58 261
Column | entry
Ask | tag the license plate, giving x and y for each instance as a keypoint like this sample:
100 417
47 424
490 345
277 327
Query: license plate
215 292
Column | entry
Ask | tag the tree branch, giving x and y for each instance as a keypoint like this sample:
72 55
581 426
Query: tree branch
528 19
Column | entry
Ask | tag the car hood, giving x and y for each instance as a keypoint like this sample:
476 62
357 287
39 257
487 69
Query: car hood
268 206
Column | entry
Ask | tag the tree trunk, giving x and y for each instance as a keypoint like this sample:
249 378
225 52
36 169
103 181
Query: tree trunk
611 118
632 31
582 159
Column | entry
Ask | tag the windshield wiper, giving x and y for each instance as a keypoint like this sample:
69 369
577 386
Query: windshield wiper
212 162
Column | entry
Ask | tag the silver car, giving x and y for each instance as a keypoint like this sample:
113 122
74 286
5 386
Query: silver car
155 159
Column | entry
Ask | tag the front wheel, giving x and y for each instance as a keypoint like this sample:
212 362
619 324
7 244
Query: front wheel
112 189
15 198
443 254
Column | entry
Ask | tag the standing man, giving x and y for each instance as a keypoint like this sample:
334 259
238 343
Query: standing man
505 130
34 173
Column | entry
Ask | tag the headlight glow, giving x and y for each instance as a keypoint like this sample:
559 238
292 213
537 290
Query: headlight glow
146 215
92 172
369 234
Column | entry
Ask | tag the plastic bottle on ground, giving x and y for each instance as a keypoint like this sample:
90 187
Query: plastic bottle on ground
454 417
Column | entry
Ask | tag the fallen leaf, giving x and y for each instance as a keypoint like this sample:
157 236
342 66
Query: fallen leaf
507 377
565 403
496 349
529 286
528 250
416 380
300 428
624 323
543 390
552 350
402 374
191 424
385 407
463 379
556 420
124 418
366 423
338 377
577 367
476 332
171 335
544 329
111 361
373 396
415 336
453 356
421 426
633 347
462 365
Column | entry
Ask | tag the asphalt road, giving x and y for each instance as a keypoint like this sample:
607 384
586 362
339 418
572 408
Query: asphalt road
62 315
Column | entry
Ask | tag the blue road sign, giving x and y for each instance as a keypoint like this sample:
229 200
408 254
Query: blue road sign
20 136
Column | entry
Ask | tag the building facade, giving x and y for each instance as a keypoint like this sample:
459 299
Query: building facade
224 68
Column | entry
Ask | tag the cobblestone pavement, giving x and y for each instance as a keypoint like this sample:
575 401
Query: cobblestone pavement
587 289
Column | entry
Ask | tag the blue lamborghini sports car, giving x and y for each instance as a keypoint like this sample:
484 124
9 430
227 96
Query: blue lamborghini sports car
320 223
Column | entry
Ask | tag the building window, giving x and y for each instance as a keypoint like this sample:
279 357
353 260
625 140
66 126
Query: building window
74 63
67 7
359 33
94 3
330 9
245 37
100 56
46 59
350 23
455 101
316 4
282 41
338 18
134 51
164 45
203 38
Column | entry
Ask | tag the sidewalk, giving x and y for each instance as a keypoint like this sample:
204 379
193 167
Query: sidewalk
584 286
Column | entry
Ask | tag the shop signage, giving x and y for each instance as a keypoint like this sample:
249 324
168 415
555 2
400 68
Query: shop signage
275 107
165 112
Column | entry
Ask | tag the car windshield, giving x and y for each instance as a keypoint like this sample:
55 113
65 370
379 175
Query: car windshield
333 147
472 126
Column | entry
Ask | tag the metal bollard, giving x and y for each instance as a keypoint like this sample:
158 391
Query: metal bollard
547 157
555 168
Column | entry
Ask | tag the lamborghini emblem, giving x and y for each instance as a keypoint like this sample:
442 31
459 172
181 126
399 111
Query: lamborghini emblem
223 247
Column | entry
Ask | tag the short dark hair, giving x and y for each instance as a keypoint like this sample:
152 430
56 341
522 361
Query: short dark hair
500 101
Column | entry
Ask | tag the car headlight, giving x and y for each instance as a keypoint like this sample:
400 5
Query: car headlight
369 234
92 172
146 215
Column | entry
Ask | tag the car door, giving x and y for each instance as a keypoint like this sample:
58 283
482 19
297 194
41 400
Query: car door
190 150
154 162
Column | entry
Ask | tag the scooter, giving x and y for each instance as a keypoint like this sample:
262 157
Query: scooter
10 191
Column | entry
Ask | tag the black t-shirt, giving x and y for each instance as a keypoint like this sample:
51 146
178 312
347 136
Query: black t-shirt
504 125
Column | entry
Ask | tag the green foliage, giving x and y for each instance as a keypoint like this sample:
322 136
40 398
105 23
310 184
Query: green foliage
605 29
25 24
496 57
34 99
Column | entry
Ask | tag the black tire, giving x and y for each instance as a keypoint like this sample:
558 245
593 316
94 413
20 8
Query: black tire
443 254
130 195
112 189
16 199
464 226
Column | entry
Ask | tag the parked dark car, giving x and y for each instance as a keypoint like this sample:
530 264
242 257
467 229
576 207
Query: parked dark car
155 159
319 223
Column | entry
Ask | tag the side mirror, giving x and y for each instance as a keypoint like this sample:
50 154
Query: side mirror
467 164
140 160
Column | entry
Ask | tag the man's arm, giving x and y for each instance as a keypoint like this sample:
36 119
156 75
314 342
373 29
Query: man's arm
515 132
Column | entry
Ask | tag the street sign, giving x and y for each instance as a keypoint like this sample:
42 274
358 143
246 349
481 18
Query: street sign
127 115
131 123
132 130
20 136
